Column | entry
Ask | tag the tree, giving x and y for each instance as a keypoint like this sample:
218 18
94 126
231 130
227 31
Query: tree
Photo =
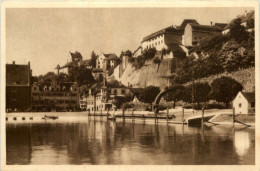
177 93
224 89
93 59
250 23
119 101
149 94
200 91
149 53
237 31
84 76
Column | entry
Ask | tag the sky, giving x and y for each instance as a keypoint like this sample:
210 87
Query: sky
46 36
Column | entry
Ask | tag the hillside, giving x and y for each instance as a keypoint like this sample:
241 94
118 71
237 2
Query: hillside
146 75
213 57
244 76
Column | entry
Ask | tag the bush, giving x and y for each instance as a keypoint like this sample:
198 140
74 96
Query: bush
149 53
157 60
224 89
215 106
127 105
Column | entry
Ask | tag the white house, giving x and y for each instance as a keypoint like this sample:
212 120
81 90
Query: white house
106 61
244 103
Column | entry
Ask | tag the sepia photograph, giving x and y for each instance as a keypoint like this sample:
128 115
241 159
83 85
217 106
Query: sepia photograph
129 85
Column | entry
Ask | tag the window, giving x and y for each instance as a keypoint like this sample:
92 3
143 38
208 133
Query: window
123 91
240 105
252 104
115 91
34 88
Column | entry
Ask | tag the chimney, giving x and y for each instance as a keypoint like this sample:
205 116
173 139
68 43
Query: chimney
211 23
13 62
127 84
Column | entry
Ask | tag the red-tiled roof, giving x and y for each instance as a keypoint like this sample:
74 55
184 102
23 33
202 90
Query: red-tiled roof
250 96
17 75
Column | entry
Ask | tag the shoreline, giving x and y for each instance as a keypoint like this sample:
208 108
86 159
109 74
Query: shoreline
33 117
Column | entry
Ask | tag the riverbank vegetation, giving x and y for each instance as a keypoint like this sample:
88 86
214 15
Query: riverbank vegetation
217 54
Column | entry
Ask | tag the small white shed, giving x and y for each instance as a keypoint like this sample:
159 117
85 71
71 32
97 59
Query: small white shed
244 103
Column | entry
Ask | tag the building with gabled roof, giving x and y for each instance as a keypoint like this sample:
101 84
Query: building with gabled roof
194 33
75 57
244 103
107 61
74 60
162 38
187 21
189 33
18 87
58 96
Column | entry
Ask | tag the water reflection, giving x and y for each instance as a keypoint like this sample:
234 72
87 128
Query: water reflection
101 142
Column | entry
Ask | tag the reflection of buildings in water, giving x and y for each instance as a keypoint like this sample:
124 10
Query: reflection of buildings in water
46 154
241 142
111 131
18 148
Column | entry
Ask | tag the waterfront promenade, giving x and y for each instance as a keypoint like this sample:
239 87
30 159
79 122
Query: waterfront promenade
175 116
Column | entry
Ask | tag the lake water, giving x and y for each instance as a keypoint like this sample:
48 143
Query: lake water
97 141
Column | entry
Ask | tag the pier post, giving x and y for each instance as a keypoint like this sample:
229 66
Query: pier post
94 112
155 117
133 115
167 115
182 115
202 117
234 119
124 114
107 112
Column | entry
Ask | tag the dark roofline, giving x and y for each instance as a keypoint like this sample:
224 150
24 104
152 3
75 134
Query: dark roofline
250 96
167 30
204 28
187 21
